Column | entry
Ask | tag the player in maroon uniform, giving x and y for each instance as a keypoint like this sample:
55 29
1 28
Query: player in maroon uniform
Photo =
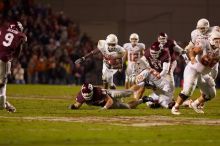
97 96
11 40
174 49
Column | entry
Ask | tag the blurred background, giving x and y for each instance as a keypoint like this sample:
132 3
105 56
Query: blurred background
59 32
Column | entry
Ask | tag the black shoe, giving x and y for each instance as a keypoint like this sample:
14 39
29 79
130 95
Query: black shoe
10 108
155 105
147 99
113 87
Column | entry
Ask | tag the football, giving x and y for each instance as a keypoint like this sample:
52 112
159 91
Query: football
206 60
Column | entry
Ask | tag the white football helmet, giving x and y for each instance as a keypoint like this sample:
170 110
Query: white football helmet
203 25
134 38
87 91
162 38
214 39
111 41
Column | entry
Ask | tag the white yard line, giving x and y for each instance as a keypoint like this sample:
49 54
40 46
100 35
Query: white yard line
142 121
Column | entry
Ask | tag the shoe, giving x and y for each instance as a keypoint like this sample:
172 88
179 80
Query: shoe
175 111
187 103
113 87
9 107
196 109
147 99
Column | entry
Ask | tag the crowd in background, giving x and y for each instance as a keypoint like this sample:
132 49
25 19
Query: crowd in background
54 43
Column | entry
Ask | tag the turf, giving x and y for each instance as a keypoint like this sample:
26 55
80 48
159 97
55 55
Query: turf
37 103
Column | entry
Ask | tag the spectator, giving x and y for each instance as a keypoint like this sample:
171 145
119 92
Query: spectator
18 73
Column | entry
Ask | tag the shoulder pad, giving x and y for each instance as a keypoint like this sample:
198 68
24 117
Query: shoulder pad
101 44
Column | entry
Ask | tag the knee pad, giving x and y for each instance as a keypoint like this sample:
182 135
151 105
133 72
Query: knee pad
183 96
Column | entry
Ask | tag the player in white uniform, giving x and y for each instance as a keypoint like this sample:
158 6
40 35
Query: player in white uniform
134 51
162 89
157 62
202 32
204 57
112 59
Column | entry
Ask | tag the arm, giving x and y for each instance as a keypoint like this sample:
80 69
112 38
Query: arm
80 60
193 52
76 105
109 102
177 48
166 66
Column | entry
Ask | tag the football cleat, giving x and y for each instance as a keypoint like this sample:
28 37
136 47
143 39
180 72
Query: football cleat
187 102
9 107
113 87
196 109
147 99
175 111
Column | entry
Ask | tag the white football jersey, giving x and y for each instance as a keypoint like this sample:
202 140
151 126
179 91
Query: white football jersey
206 50
160 83
196 34
112 59
134 53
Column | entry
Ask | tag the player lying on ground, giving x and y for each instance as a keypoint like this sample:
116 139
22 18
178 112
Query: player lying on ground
150 78
107 99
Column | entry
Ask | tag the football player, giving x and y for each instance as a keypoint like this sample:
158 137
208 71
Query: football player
134 51
11 40
107 99
158 60
204 57
202 31
113 55
112 59
174 49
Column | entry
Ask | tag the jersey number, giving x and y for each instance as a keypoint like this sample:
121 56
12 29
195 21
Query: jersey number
8 39
134 57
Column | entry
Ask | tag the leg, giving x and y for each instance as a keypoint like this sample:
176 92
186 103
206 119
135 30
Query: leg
190 82
111 77
138 91
104 77
207 85
3 80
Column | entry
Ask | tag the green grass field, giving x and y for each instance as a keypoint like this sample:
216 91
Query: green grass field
42 118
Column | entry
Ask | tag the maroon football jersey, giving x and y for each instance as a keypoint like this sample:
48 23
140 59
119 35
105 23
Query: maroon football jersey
157 64
98 97
171 44
10 41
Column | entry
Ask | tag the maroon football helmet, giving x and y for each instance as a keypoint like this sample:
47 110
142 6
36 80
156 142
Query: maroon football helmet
87 91
16 26
162 38
155 51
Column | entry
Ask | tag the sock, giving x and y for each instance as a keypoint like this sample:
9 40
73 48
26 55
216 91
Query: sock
176 105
